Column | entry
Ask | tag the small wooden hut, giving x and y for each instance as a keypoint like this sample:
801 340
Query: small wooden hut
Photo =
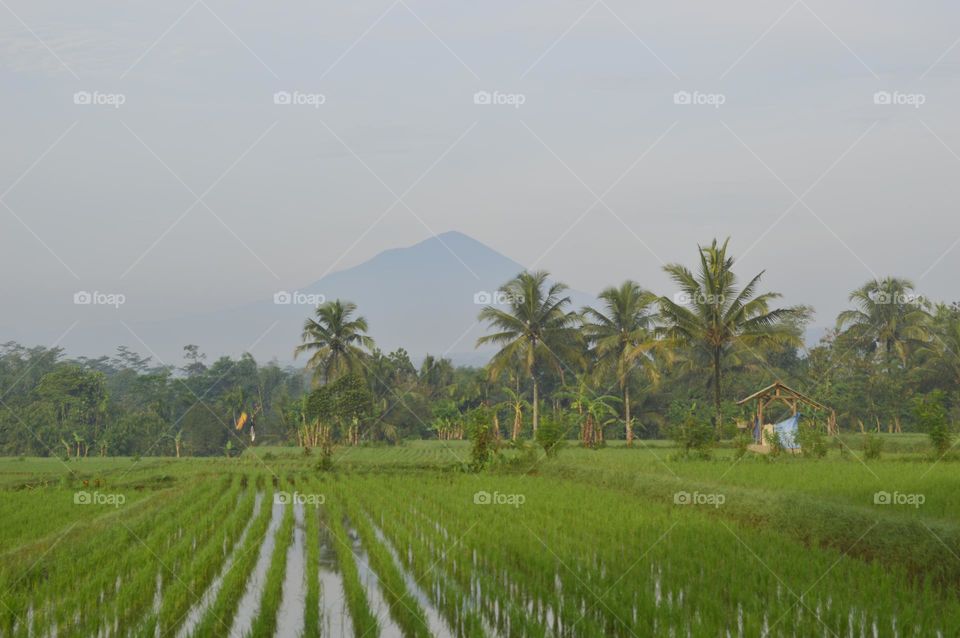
779 391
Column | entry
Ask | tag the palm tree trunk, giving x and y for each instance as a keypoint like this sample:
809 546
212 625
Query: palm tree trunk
626 409
536 406
716 387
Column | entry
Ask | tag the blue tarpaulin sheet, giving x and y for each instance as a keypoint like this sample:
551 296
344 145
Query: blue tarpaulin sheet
787 431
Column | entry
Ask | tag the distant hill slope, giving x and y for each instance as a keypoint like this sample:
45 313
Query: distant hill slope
421 297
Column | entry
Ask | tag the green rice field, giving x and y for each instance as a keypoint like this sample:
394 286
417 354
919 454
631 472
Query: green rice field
400 541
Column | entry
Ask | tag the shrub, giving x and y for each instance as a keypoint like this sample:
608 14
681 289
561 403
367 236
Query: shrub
872 446
325 463
776 445
550 433
481 434
741 443
844 449
522 462
812 442
931 414
693 433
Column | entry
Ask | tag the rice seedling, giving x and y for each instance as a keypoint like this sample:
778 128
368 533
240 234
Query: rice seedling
403 607
364 622
311 622
428 552
219 618
266 620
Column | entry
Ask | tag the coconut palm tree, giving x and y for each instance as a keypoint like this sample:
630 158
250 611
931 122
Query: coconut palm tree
534 329
710 315
336 339
890 319
622 336
939 357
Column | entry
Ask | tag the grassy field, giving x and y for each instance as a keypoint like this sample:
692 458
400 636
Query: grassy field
401 542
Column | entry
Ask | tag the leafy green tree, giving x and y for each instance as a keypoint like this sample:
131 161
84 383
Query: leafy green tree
436 376
939 356
711 315
534 330
623 337
195 360
890 319
203 433
337 339
347 402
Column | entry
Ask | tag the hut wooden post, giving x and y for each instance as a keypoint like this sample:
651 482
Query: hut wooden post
778 391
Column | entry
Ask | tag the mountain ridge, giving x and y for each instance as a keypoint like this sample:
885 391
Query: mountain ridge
422 297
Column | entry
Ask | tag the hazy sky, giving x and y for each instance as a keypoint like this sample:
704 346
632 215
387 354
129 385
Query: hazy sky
186 187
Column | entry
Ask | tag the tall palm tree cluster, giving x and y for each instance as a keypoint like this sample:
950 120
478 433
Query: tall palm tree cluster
893 347
635 354
634 335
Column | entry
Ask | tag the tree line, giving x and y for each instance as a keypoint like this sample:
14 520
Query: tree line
629 366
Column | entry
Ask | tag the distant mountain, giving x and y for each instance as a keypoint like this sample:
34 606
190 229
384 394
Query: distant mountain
424 298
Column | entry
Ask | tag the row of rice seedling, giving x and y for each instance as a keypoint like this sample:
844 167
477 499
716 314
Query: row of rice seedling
75 585
404 608
219 617
311 620
132 584
671 587
443 560
265 622
514 596
713 542
824 522
168 553
741 555
203 603
29 515
364 622
421 557
844 481
249 606
194 570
